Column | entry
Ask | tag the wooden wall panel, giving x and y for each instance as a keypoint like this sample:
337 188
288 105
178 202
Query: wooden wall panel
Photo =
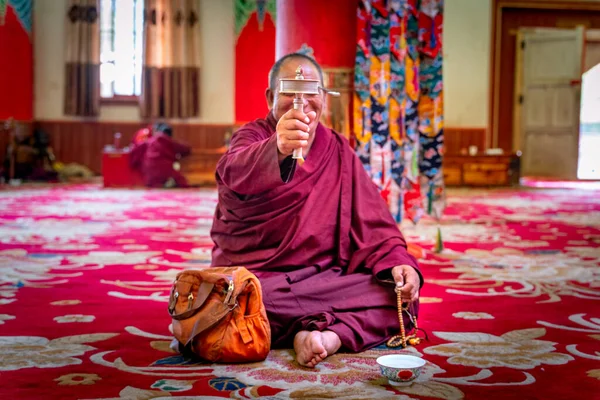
457 140
82 142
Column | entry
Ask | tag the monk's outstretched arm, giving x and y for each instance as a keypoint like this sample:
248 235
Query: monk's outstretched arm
379 246
252 164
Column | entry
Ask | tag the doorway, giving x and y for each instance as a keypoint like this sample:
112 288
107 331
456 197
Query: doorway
508 16
589 136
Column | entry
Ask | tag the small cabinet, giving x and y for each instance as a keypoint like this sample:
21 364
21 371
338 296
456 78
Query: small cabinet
481 170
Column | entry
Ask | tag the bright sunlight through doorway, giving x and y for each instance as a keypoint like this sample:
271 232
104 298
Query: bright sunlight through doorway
589 133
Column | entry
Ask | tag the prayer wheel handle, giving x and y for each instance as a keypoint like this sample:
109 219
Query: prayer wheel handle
298 105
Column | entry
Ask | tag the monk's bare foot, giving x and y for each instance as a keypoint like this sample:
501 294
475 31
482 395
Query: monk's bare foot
314 346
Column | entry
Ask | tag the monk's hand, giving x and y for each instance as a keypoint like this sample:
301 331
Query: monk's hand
293 131
407 281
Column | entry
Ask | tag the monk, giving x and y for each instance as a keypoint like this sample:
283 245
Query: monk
155 157
318 236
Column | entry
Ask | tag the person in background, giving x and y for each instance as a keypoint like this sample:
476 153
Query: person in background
142 135
154 158
28 156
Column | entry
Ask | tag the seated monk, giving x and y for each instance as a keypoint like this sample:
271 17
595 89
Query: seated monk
318 236
155 157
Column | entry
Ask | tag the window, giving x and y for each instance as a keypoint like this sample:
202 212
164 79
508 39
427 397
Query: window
121 43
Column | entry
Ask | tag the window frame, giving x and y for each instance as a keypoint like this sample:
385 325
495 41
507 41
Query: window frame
120 99
117 99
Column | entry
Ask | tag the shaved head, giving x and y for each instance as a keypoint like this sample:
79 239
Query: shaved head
276 69
281 103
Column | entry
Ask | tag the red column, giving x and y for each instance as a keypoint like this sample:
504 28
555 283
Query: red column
326 26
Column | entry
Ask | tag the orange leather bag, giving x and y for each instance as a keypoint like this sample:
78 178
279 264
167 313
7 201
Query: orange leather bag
218 314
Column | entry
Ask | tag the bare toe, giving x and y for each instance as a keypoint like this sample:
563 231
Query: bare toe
309 348
313 347
316 344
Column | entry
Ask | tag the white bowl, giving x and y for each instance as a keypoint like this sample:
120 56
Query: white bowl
400 369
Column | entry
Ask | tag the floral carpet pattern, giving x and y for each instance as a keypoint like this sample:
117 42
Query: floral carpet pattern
511 305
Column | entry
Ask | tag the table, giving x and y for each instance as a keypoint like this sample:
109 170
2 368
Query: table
116 171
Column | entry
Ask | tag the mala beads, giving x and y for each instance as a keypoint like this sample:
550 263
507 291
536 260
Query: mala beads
402 339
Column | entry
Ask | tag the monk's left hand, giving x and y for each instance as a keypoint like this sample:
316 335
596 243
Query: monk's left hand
408 281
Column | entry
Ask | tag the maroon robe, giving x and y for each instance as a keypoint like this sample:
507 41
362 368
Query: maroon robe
154 158
319 237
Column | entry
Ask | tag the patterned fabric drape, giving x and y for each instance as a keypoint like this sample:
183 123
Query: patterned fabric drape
398 103
171 70
82 70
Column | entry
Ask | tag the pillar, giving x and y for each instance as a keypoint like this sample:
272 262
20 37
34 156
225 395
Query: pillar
326 30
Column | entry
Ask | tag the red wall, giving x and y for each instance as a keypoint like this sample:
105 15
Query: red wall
16 70
254 57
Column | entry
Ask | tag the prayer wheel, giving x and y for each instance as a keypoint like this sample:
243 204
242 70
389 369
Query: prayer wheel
325 30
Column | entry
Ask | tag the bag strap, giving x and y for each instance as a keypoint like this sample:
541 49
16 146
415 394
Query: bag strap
203 292
216 311
242 327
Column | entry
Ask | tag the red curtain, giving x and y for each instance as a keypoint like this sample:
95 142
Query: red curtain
16 68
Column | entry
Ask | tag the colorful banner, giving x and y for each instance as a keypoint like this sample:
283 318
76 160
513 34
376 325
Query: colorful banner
398 103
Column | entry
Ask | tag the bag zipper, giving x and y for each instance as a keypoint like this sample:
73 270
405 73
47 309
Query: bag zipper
229 292
190 301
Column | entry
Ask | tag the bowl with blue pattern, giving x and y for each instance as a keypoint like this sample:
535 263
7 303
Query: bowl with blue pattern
400 369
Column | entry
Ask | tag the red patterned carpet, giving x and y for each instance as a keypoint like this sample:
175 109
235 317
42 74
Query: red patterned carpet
512 305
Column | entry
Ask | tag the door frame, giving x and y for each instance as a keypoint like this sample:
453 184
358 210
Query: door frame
518 86
498 7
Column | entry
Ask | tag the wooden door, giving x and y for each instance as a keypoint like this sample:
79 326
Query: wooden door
549 101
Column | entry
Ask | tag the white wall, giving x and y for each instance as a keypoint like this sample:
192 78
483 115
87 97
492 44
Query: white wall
217 80
467 49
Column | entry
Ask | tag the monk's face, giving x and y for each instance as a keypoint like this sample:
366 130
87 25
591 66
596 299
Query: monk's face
282 103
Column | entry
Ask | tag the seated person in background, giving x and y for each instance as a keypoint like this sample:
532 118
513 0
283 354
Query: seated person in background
20 154
44 166
154 158
28 156
318 236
